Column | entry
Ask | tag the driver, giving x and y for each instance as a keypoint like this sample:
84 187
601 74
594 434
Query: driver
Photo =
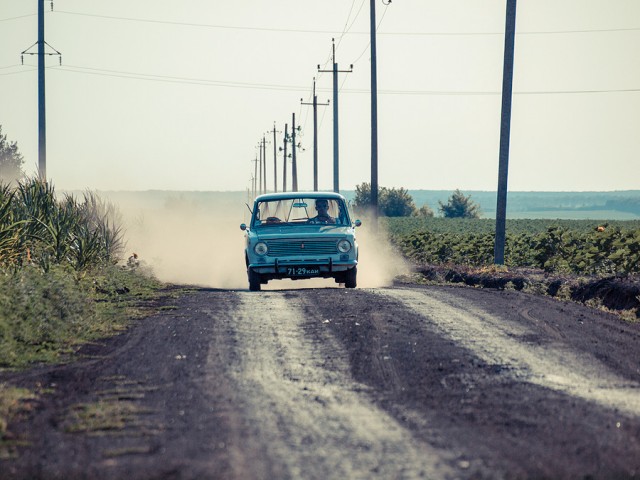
322 206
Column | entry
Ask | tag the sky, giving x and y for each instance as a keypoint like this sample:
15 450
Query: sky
159 95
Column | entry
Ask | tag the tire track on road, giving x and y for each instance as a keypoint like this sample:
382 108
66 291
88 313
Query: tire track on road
304 406
551 365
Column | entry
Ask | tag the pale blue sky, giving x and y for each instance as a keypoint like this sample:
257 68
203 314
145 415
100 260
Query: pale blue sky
175 95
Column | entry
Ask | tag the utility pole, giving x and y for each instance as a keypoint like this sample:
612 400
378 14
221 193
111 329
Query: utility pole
264 161
505 132
336 140
255 176
374 115
275 157
294 165
315 133
260 178
42 119
284 162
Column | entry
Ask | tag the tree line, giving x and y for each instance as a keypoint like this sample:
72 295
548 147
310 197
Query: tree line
392 202
397 202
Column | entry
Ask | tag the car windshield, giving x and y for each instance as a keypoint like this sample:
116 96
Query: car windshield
301 211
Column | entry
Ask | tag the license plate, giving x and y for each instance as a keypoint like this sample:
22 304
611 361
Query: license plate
302 271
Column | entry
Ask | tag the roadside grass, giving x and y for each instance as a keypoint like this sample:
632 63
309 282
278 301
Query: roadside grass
45 315
60 283
12 402
102 417
115 413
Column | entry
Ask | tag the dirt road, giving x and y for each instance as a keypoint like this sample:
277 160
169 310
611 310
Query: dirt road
404 382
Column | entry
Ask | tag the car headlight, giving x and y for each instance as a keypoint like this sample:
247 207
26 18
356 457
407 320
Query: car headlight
260 248
344 246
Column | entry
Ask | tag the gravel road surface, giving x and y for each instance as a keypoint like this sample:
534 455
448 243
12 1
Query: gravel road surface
395 383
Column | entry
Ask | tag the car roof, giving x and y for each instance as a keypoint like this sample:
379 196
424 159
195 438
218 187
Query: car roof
269 197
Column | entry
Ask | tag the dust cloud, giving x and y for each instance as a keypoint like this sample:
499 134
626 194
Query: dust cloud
379 263
191 239
194 238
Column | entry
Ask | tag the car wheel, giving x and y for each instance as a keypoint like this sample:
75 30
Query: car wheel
350 278
254 281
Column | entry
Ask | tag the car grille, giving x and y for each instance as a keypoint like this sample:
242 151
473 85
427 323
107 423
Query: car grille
283 248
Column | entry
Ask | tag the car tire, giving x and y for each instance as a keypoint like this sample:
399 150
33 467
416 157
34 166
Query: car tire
350 278
254 281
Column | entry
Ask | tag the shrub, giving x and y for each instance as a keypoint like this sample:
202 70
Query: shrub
38 229
459 206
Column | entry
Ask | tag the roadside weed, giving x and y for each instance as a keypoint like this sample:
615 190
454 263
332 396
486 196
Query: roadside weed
12 402
101 416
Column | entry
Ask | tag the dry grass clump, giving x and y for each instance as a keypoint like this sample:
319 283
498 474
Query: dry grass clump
12 402
617 294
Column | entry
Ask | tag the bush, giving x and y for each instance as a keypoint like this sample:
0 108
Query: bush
38 229
392 202
460 206
424 211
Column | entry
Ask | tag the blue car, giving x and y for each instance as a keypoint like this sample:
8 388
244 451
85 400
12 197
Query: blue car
300 235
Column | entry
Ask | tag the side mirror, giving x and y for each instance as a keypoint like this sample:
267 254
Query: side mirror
243 226
357 223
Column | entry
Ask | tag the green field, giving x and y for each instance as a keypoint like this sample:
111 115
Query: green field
408 225
583 247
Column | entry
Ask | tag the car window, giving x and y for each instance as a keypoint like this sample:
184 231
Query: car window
300 211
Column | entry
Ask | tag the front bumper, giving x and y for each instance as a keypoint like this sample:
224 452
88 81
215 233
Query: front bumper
299 268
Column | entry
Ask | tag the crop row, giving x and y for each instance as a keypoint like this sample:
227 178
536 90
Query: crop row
600 251
407 225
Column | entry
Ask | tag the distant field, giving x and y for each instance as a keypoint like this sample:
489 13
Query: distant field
600 215
481 226
621 205
599 206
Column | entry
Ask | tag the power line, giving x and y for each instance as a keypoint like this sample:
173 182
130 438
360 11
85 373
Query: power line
369 43
279 87
180 80
333 32
199 25
569 92
16 18
346 23
19 72
558 32
346 29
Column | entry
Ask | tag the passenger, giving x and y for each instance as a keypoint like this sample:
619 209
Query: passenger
322 206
